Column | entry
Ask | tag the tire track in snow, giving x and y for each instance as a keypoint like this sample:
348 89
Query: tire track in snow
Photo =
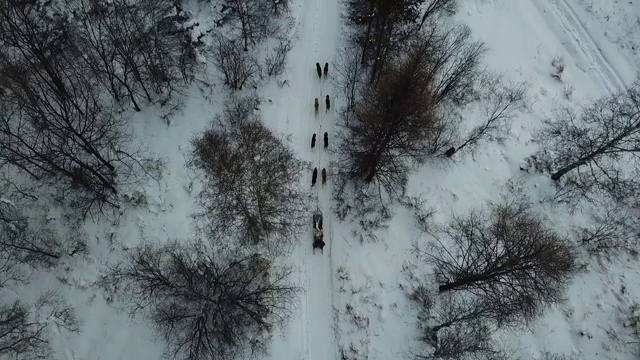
572 25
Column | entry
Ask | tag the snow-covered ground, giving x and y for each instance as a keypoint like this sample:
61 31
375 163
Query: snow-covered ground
354 294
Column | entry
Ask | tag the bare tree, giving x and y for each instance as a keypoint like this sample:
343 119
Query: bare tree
252 178
276 61
22 326
73 144
435 7
469 340
505 255
394 119
137 50
381 28
38 245
405 118
349 79
252 20
279 7
388 131
454 328
396 122
498 102
206 304
449 308
597 148
55 124
455 62
238 67
612 231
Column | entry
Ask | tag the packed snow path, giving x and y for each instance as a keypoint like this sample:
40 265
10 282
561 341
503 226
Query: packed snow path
318 24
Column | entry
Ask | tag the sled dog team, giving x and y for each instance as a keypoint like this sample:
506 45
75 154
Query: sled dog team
316 106
318 242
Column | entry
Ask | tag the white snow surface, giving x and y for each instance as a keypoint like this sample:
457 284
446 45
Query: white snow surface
353 294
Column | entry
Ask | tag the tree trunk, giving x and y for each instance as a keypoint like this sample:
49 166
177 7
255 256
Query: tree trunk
374 159
132 96
365 45
562 172
379 40
585 160
467 281
385 51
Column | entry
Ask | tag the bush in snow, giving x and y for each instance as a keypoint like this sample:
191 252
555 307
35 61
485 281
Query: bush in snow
250 21
36 245
206 303
275 62
505 257
596 149
454 327
610 232
252 180
23 327
239 68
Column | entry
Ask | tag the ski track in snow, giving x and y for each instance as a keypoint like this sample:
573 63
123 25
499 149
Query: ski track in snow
317 38
583 43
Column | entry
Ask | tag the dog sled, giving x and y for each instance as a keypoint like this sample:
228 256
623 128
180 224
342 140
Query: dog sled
318 235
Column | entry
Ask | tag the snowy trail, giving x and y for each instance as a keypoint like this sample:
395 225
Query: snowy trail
318 26
582 46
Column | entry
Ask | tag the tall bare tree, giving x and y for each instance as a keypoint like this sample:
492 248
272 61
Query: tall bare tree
349 79
404 119
205 304
381 26
55 124
505 255
434 7
140 51
610 231
597 148
401 117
